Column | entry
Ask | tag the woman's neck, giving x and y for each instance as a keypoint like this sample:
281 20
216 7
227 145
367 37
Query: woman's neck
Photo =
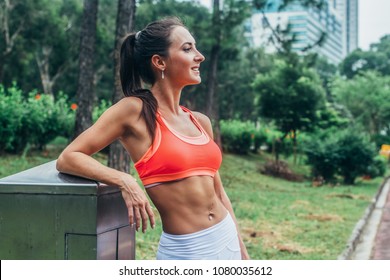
168 98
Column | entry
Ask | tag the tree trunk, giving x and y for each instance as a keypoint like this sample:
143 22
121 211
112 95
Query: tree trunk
118 157
295 145
9 38
43 66
2 63
212 109
43 61
85 89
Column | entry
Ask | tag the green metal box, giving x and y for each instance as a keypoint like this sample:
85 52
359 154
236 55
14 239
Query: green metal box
45 215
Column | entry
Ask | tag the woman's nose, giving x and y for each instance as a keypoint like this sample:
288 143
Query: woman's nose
199 57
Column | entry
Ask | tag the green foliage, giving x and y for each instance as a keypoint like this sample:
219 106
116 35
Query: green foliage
381 139
44 32
289 95
357 154
348 153
241 137
325 70
375 59
323 156
333 115
34 120
236 96
11 114
365 97
378 167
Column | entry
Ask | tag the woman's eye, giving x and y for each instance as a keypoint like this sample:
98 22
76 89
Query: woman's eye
187 49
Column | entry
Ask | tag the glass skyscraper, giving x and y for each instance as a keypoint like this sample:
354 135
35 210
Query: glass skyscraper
307 25
348 11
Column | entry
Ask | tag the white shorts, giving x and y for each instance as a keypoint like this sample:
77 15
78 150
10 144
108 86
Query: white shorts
218 242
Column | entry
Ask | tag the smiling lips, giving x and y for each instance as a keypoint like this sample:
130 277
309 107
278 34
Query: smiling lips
196 69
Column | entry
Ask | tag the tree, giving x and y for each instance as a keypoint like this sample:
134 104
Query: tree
236 95
104 54
290 95
36 43
212 108
377 58
54 55
325 70
118 157
85 90
225 19
366 96
9 35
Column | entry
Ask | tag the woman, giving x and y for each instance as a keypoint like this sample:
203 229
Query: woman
171 147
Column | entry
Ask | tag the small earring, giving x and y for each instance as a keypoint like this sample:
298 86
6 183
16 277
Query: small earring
162 74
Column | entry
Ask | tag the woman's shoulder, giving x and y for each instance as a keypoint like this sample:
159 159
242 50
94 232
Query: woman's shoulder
202 118
128 106
204 121
134 104
124 112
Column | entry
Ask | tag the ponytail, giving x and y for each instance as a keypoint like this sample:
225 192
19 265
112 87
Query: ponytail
132 86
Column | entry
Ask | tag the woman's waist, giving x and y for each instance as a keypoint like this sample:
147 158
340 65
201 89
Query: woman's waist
189 219
188 205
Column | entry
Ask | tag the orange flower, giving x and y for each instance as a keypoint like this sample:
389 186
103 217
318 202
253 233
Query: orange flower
37 96
73 106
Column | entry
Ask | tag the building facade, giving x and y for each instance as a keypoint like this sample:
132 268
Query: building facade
349 13
306 25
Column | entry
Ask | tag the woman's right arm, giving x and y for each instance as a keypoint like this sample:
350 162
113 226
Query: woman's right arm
76 158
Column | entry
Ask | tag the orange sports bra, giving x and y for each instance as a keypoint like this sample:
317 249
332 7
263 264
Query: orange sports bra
174 156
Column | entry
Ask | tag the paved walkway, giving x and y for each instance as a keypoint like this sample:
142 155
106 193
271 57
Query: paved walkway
381 250
374 241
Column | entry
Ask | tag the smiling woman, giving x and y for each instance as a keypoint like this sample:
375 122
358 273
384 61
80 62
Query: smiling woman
172 147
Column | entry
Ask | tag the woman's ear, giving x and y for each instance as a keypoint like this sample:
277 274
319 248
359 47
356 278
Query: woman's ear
158 62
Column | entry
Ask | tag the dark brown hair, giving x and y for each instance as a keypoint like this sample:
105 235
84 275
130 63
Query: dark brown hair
136 67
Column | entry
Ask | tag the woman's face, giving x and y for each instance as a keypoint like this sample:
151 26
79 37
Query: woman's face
184 58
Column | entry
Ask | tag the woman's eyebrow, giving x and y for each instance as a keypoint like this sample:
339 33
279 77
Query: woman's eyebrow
189 43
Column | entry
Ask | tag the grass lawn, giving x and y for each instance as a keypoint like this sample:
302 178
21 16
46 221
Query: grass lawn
278 219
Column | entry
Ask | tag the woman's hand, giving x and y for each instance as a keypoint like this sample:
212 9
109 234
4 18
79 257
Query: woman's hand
138 206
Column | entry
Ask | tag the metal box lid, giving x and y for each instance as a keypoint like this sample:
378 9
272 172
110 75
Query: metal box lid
45 179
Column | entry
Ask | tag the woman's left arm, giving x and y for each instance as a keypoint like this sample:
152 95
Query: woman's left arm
219 189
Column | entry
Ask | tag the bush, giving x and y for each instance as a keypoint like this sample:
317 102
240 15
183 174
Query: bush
357 153
241 137
11 116
378 167
323 157
380 139
33 120
348 154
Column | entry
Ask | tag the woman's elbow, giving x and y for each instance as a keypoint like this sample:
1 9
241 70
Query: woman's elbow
61 163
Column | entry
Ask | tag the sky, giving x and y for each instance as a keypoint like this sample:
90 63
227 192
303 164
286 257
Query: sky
374 20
